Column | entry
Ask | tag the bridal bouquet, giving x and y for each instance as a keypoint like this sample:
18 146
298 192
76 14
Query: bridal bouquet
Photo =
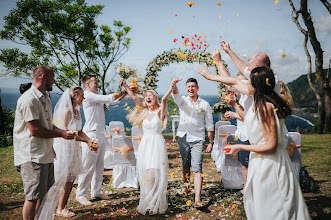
125 72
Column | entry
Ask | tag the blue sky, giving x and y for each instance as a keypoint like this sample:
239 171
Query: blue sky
249 26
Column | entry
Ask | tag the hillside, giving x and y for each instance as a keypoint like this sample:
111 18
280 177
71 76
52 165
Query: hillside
303 96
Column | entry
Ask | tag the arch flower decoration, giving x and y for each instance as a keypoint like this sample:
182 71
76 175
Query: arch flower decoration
188 56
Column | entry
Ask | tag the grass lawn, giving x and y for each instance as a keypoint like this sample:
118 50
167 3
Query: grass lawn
220 203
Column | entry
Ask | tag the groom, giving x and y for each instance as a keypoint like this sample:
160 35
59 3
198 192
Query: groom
195 116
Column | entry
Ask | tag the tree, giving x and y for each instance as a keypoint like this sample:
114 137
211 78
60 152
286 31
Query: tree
323 89
62 34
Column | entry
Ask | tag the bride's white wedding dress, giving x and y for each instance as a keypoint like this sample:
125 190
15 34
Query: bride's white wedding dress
152 165
272 190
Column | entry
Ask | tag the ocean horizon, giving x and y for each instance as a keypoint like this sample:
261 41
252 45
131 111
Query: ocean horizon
117 112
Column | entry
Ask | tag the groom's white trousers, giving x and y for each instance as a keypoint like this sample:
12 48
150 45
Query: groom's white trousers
93 164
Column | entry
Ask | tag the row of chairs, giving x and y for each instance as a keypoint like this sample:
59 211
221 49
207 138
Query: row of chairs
121 153
229 166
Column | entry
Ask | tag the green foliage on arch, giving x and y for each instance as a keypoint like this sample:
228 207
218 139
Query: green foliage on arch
187 56
174 56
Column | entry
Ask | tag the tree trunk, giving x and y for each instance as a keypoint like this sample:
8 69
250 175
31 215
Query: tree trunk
324 103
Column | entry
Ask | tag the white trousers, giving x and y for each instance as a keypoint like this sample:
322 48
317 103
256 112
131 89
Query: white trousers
93 164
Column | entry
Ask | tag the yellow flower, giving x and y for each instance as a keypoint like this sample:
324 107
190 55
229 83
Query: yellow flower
190 3
267 81
188 202
172 175
126 104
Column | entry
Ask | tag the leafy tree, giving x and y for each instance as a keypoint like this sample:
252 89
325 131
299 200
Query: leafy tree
62 34
323 89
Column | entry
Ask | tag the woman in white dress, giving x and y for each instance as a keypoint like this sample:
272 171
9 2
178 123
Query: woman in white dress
272 190
68 164
152 158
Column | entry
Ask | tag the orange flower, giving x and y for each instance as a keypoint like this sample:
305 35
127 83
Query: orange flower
190 3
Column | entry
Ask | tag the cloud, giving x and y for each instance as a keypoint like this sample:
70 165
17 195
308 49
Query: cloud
324 24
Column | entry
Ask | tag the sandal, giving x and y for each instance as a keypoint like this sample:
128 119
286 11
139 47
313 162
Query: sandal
65 213
198 204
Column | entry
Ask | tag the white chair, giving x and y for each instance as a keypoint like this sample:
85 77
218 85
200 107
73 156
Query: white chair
109 156
223 132
116 128
295 137
136 135
124 172
231 171
214 152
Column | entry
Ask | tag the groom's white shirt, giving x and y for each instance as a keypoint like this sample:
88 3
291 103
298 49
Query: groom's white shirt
194 118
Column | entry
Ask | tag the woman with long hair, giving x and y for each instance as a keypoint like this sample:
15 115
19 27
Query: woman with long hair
68 163
152 158
272 190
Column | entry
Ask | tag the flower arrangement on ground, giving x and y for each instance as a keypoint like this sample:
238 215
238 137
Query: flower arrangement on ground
221 107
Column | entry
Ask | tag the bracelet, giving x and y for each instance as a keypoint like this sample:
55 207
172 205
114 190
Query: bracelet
211 142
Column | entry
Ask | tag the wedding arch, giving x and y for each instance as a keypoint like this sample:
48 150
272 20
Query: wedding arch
174 56
188 56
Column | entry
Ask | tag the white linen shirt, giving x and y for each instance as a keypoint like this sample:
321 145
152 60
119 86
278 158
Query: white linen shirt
194 118
246 102
32 105
93 106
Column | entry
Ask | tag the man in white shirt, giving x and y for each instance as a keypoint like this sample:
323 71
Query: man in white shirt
94 127
33 140
195 116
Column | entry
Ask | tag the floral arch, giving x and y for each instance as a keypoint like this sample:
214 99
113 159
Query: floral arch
188 56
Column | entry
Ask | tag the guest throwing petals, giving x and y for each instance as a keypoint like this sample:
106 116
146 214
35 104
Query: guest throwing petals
272 190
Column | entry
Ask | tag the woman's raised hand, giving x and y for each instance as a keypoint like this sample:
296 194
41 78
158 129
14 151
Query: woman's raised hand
122 81
216 55
204 71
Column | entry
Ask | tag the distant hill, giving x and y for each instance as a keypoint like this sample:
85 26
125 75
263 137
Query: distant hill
302 94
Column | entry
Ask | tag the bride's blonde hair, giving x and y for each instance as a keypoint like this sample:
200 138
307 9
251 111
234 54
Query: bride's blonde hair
138 114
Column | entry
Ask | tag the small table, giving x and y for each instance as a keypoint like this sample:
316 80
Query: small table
175 118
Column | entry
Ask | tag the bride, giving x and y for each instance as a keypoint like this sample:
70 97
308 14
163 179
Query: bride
68 164
152 158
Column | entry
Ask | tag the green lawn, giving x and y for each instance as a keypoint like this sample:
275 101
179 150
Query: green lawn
221 204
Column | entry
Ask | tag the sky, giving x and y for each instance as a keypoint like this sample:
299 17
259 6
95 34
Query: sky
250 26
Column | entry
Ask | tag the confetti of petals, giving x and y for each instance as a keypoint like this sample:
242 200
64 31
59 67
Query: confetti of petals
220 17
219 4
190 3
175 15
276 1
175 40
267 82
170 31
283 55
